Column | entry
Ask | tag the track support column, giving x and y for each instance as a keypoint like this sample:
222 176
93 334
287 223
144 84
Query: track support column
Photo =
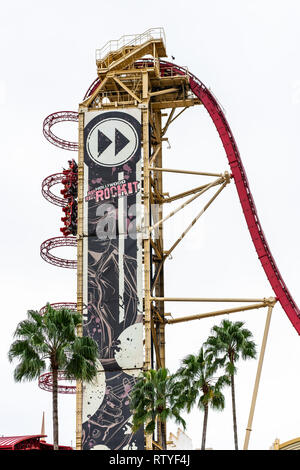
258 374
147 247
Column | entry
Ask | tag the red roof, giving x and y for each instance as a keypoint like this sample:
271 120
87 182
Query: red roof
11 441
27 443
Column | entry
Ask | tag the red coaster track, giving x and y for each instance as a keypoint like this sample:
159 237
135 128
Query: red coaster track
51 120
246 199
241 182
46 383
239 175
58 305
46 380
58 242
46 189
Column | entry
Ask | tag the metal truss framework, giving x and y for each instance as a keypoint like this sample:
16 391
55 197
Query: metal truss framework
47 184
58 242
59 305
46 380
55 118
124 80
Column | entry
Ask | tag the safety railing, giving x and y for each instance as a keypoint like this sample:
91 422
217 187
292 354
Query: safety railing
130 40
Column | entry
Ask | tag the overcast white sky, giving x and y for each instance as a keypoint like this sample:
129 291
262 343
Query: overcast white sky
247 53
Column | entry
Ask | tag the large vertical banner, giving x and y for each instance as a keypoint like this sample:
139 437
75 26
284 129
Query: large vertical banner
112 267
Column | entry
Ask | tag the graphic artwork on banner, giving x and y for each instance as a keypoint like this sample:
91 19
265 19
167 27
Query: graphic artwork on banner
112 265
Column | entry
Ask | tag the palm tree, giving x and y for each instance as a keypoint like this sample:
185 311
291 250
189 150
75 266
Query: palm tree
154 398
198 384
225 346
50 341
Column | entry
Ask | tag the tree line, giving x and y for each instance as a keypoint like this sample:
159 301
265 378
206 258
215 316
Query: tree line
158 395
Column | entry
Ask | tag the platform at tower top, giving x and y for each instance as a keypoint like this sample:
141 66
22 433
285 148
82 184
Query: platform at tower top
128 48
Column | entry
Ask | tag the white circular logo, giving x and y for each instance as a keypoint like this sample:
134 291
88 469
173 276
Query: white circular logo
112 142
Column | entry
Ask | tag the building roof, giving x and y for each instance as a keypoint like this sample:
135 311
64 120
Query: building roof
27 442
292 444
9 442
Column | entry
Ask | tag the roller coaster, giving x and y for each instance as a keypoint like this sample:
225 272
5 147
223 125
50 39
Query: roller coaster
129 79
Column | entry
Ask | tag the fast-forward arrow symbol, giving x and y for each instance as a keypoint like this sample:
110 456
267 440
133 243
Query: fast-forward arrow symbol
120 141
104 142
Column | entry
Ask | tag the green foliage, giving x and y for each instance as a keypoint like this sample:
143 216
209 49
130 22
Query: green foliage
155 395
50 341
228 343
198 383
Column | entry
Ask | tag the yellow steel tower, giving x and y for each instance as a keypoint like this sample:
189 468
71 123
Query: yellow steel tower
122 126
130 77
